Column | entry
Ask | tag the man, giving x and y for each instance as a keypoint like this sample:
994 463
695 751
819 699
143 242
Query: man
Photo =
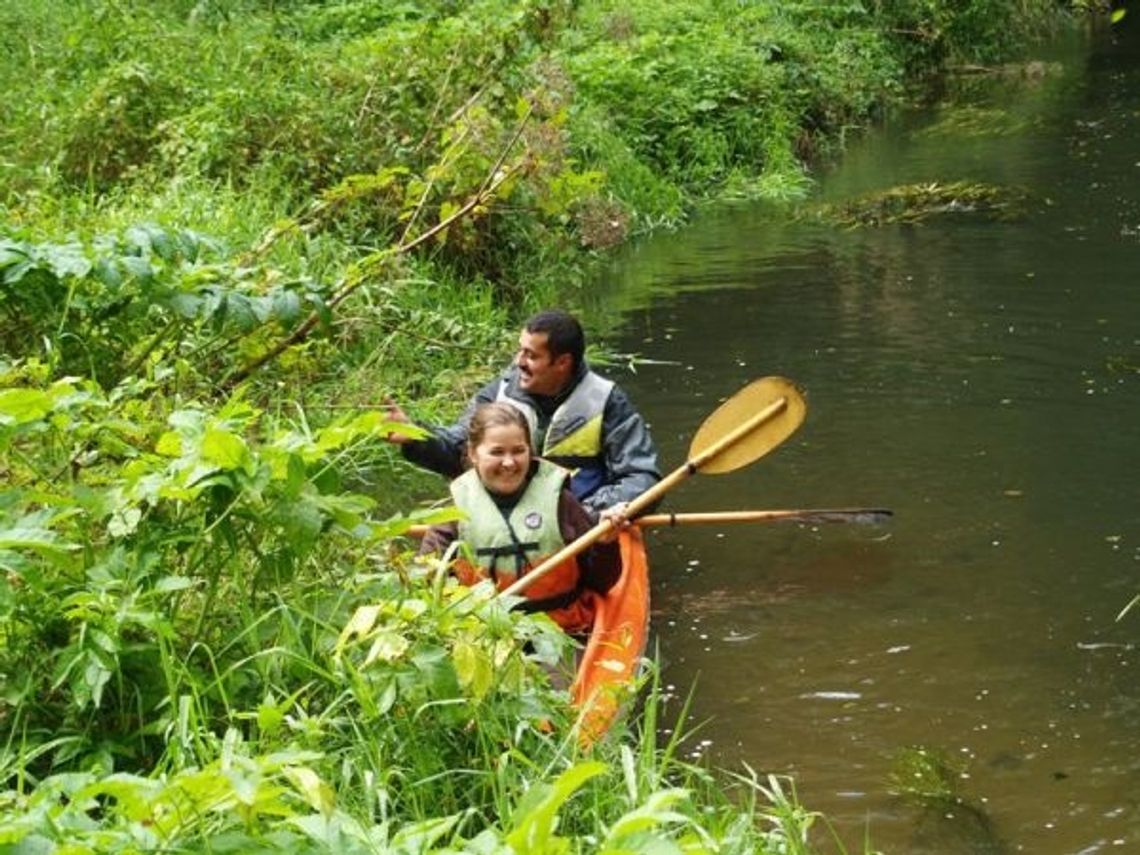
578 419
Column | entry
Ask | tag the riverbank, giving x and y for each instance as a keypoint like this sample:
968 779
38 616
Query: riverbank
411 181
229 227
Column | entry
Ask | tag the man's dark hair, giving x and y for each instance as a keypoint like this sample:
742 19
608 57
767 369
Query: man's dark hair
563 333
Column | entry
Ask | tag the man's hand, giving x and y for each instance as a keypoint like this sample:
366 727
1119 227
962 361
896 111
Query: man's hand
395 414
615 514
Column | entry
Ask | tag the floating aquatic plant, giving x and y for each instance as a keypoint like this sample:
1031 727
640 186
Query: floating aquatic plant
947 820
970 120
925 775
912 203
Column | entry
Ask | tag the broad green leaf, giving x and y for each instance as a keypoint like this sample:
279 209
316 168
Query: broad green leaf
107 272
19 406
332 438
187 422
132 795
30 533
347 509
261 308
296 475
11 252
240 310
317 793
170 584
537 813
104 642
95 678
388 645
398 525
655 812
286 307
14 273
359 625
386 699
124 522
184 305
410 609
137 267
424 835
269 718
244 783
447 210
224 449
68 260
473 667
162 243
370 423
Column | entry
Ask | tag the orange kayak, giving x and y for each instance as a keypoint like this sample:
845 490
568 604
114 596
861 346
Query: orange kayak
609 665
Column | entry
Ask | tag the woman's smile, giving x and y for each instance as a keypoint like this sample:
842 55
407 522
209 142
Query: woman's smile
502 459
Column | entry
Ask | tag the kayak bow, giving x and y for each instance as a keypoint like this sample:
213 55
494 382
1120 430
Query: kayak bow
609 664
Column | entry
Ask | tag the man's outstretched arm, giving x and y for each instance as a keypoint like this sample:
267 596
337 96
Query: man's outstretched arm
445 450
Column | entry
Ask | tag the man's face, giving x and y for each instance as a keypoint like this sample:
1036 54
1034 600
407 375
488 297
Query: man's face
539 373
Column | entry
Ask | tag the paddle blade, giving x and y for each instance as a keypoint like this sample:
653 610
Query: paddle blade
741 409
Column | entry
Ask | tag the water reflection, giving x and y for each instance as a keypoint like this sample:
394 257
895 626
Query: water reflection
982 380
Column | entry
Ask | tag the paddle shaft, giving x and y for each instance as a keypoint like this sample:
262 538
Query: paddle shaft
650 496
867 516
806 515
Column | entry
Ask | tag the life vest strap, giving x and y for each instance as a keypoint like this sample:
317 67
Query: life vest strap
509 549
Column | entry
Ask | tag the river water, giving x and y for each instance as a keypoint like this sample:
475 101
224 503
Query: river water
982 380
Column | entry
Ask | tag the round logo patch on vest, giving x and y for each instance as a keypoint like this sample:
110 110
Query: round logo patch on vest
533 520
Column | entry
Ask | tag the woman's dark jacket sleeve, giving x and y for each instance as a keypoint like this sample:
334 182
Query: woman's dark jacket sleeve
600 564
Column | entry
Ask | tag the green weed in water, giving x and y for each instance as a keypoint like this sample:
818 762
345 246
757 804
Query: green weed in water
925 775
914 203
970 120
947 820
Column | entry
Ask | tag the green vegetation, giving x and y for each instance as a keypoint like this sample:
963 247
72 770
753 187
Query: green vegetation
970 120
930 780
926 776
913 203
230 227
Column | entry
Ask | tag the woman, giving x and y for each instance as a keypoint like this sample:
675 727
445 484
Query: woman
519 511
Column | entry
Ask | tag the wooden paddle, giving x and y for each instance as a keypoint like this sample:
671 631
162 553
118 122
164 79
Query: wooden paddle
865 516
745 427
811 516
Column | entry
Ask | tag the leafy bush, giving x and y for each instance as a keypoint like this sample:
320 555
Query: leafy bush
931 33
114 132
107 307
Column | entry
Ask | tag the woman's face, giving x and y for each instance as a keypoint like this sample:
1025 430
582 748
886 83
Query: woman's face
502 458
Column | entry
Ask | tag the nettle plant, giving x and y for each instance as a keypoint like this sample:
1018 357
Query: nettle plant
108 307
204 638
142 548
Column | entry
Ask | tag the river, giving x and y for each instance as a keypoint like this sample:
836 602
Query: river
981 379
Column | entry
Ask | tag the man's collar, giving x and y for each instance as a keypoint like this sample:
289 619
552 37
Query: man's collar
548 403
572 382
